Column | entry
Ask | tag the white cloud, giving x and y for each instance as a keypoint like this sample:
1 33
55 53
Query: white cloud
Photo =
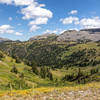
17 2
18 34
93 22
50 31
36 14
8 29
34 28
56 31
19 24
10 18
90 22
23 2
33 11
6 1
73 12
70 20
39 21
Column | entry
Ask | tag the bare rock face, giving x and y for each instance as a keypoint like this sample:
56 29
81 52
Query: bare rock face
73 35
86 34
40 37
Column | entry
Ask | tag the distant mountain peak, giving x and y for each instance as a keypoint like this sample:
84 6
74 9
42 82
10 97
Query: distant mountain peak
92 34
43 36
84 34
4 39
91 29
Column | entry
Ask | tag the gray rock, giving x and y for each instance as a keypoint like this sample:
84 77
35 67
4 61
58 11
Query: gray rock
86 34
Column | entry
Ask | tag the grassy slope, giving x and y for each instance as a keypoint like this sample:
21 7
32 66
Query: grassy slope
6 65
30 78
6 76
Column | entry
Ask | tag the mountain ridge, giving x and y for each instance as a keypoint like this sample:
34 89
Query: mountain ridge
4 39
92 34
73 35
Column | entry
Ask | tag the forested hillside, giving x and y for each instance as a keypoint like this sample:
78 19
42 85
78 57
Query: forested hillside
58 61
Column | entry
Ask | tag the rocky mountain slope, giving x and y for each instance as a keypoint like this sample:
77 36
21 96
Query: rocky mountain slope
86 34
73 35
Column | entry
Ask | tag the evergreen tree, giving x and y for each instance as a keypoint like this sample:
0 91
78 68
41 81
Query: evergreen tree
21 75
18 60
43 72
50 76
1 55
21 81
14 70
35 70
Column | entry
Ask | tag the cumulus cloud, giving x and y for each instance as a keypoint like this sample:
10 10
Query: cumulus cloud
23 2
70 20
33 11
19 24
39 21
17 2
37 14
18 34
73 12
6 1
10 18
34 28
56 31
8 29
50 31
90 22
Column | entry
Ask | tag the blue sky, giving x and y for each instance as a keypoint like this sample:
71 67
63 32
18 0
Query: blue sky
22 19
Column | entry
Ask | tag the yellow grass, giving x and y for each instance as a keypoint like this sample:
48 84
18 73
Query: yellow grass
37 91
